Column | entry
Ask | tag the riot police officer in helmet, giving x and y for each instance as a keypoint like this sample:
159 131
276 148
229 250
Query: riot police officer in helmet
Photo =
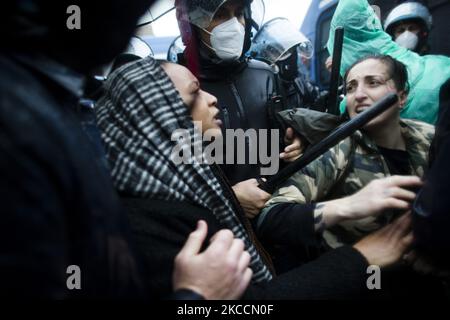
282 46
217 34
409 24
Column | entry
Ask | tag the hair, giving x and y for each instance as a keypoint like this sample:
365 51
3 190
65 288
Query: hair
397 70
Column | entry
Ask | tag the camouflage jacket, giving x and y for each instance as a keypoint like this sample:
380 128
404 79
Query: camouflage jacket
345 169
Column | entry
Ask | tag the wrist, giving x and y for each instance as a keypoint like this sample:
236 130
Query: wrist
342 209
336 211
363 252
236 191
366 252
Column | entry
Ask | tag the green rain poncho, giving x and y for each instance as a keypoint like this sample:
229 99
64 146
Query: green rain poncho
364 35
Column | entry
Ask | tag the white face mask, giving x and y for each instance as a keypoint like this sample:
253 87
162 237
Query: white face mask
408 40
227 40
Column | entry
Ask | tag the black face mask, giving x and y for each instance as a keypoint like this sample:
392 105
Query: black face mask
289 67
41 26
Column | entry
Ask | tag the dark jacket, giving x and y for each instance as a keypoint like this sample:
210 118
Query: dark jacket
300 93
161 228
58 204
432 206
248 97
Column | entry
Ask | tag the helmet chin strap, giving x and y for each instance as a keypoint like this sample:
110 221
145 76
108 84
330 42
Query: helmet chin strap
288 67
207 45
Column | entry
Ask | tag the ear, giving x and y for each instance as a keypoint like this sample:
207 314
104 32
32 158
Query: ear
402 96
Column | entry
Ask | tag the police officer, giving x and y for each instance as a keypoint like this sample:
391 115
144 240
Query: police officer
281 45
217 33
409 24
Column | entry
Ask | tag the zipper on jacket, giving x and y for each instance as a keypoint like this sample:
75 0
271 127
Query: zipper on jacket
241 110
226 118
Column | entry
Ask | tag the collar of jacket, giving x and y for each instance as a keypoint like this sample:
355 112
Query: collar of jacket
417 140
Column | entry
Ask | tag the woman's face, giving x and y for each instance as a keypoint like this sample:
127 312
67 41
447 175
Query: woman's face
229 10
202 105
367 82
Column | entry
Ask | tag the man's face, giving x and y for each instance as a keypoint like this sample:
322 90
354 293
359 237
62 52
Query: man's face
229 10
202 105
410 26
368 82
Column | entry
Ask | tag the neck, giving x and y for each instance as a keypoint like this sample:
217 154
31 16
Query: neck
388 136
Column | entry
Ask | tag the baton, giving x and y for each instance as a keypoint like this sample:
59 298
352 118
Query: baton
339 134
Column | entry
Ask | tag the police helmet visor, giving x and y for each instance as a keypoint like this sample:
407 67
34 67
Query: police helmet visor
201 12
276 38
139 47
157 10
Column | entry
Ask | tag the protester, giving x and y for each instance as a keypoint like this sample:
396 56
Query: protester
386 146
342 189
364 35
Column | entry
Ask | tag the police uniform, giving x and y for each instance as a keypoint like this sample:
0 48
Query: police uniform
246 89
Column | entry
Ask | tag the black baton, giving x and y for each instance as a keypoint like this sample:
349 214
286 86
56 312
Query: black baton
331 140
333 105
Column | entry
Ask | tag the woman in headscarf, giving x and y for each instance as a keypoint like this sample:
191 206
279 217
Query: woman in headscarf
138 114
